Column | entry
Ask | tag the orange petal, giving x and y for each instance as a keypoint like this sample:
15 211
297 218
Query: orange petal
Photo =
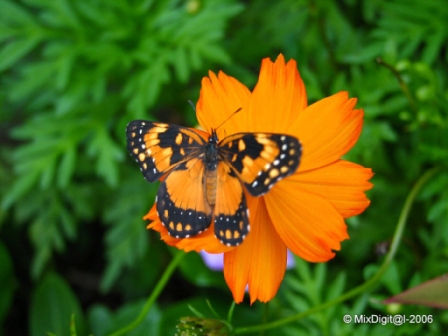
342 183
307 223
259 262
278 97
327 130
220 96
205 241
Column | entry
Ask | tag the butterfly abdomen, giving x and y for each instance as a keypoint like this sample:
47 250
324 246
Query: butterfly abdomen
210 186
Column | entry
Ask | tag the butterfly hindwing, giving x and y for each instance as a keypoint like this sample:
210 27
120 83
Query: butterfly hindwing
231 216
261 159
181 202
159 147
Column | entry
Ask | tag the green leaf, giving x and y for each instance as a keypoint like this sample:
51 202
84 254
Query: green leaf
19 188
181 64
391 278
336 288
127 237
127 241
52 306
107 153
66 167
435 42
15 50
14 13
100 319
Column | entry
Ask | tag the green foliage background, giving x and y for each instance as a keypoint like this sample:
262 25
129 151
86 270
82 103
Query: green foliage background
74 73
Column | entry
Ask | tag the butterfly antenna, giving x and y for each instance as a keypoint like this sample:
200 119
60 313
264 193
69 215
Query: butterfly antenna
192 105
230 116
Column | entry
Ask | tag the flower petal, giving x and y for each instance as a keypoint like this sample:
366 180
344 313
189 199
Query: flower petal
259 262
327 130
214 261
205 241
278 97
307 223
342 183
221 96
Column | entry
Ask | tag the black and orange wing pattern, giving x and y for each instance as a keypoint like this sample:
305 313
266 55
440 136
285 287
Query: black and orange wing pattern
176 151
191 196
261 159
231 215
159 147
181 201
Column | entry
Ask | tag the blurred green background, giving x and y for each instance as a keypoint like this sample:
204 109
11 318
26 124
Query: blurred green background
74 73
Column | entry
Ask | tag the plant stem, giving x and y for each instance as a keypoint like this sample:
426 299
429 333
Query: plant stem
369 284
154 295
401 82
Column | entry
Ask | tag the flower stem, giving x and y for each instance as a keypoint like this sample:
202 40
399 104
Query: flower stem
369 284
154 295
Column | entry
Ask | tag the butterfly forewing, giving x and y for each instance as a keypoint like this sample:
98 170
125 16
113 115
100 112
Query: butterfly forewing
159 147
261 159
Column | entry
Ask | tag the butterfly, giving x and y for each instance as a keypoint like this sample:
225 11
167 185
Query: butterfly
204 178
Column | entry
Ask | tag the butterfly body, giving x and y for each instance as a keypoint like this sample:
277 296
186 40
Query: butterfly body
205 178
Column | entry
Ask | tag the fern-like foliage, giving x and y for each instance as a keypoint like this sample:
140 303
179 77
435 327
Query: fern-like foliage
76 72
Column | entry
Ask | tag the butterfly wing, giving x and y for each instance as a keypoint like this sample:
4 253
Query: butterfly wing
181 201
261 159
159 147
231 216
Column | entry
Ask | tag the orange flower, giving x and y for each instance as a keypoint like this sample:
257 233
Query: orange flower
304 212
